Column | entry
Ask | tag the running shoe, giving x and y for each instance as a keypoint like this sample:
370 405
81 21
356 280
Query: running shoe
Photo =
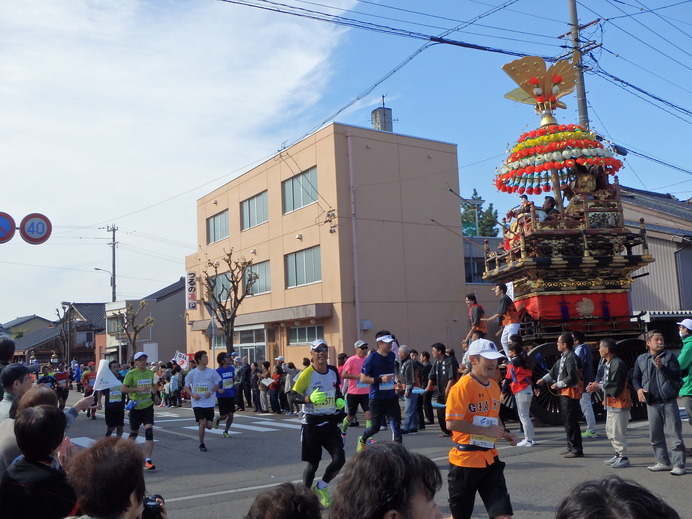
323 495
588 434
525 443
203 448
678 471
621 463
226 435
149 465
612 460
216 422
659 467
361 444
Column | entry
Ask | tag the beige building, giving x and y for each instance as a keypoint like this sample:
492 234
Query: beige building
351 231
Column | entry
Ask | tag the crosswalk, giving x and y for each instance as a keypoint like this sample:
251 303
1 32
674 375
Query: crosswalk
179 420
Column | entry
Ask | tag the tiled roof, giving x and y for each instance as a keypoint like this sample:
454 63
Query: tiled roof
95 313
36 338
660 228
170 289
664 203
20 320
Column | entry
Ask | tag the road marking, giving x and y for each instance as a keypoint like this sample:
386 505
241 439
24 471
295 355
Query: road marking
85 441
223 492
277 424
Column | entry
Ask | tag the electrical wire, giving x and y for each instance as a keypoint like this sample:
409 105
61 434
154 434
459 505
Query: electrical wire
606 19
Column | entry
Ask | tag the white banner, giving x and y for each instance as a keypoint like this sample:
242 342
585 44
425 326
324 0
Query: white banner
181 359
105 378
191 291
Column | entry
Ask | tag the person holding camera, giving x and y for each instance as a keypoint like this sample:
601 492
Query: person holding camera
108 481
656 379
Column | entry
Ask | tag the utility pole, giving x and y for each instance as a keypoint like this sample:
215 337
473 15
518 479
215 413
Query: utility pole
576 47
113 243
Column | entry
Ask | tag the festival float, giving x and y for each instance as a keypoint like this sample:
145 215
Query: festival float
570 259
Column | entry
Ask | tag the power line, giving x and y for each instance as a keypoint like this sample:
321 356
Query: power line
605 19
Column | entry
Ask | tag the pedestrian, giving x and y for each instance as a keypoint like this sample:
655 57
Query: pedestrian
139 386
245 377
582 350
176 400
617 401
290 376
63 389
255 378
239 381
318 389
265 377
519 378
286 501
507 315
114 406
613 498
35 486
88 379
7 349
108 482
275 388
202 383
409 377
225 393
656 379
685 361
476 314
426 415
473 414
15 380
378 371
443 375
565 377
357 394
388 482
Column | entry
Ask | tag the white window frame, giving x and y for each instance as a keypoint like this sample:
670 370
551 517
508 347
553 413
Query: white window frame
303 267
254 211
309 333
299 191
262 284
217 227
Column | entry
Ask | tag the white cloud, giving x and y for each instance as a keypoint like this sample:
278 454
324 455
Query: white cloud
109 107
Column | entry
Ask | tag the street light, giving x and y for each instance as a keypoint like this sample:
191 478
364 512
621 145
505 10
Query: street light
113 299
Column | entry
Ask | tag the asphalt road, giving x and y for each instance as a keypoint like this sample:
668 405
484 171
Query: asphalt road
264 450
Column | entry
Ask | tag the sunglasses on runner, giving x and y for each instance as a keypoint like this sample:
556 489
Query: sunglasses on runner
320 349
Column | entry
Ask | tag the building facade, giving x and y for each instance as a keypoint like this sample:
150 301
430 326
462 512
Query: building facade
350 231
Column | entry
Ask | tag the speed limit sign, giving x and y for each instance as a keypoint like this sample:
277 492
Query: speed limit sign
35 228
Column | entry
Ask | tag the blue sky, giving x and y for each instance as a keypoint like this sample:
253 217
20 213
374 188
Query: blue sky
128 111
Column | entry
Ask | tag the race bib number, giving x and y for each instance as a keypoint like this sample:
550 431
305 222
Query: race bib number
481 440
328 404
144 383
361 385
227 383
387 385
115 395
200 389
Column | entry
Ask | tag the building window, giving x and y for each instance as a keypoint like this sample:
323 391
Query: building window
304 334
262 284
474 270
300 190
303 267
217 227
253 211
221 286
113 326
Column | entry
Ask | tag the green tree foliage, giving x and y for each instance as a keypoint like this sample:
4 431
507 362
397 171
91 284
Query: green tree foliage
487 218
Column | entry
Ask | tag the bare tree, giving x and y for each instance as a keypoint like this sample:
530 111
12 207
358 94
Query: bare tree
227 283
64 331
127 321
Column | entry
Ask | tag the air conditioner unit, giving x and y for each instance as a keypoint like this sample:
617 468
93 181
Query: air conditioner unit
88 344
